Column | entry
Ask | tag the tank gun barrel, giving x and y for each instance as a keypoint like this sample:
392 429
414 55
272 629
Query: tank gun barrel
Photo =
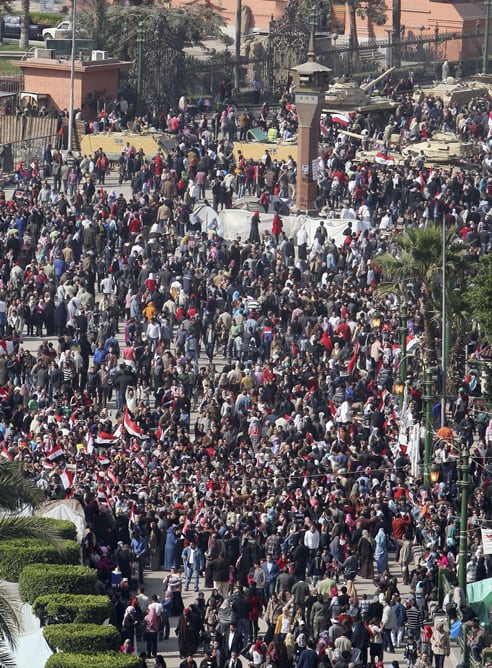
366 86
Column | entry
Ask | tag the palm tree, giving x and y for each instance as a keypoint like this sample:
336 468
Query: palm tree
26 19
16 494
417 258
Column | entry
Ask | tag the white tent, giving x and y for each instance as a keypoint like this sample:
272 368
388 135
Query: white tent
32 649
65 509
238 221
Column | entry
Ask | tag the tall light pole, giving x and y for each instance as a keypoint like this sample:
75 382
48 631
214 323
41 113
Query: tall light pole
427 398
463 485
140 42
463 548
72 79
237 45
485 54
444 320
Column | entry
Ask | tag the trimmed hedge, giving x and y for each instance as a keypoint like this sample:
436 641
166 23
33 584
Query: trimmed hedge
40 579
66 529
72 609
17 553
82 637
110 660
48 19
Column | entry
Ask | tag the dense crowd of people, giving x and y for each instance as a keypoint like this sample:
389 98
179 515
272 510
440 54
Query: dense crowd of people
282 469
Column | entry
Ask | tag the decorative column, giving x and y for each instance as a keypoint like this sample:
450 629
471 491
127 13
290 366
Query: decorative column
311 81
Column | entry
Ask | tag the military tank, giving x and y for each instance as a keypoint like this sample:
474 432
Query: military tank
445 148
346 96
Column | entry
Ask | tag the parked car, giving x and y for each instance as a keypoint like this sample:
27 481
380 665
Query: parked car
11 27
62 31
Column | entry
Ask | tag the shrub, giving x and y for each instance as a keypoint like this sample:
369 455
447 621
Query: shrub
82 637
65 528
38 579
109 660
17 553
72 608
47 19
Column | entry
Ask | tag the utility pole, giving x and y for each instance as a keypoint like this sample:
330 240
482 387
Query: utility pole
72 79
463 549
485 61
140 42
427 398
444 320
237 45
402 329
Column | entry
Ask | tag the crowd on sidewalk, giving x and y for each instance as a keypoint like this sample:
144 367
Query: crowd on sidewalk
294 477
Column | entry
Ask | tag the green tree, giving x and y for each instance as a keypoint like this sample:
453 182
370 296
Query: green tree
375 10
166 31
479 296
16 494
417 258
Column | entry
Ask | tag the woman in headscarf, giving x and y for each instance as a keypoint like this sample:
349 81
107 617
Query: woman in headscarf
365 550
254 232
188 632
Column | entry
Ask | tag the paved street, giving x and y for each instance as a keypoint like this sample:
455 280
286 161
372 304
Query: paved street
153 580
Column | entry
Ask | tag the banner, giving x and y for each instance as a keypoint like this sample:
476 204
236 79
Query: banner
487 541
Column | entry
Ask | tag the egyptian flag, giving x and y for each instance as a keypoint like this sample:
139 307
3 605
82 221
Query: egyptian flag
384 159
111 476
353 359
5 453
140 461
200 511
101 494
105 439
89 443
66 478
132 427
103 460
333 409
384 394
54 453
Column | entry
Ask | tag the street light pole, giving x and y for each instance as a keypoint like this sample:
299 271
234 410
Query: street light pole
237 45
463 548
444 320
140 42
463 485
427 398
72 79
402 329
485 55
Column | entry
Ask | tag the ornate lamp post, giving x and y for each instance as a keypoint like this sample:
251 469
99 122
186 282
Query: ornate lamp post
311 81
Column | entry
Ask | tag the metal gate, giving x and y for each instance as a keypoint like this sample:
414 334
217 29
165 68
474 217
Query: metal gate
288 43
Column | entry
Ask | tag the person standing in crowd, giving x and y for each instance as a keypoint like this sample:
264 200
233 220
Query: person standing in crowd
440 645
194 563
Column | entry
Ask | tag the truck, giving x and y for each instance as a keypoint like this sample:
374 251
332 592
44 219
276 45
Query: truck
11 27
62 31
